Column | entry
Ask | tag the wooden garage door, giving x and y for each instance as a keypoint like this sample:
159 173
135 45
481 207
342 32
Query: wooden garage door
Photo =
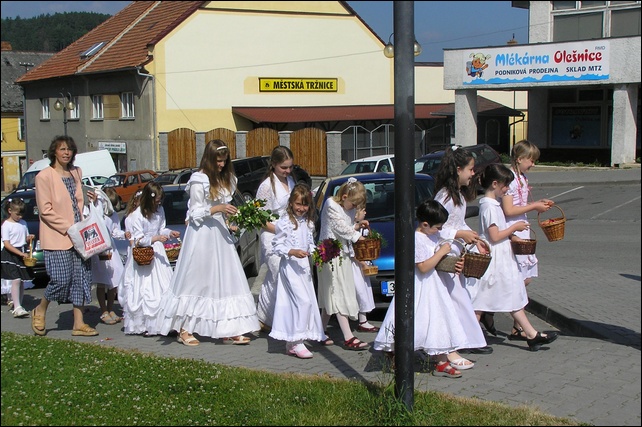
309 148
181 148
261 141
226 135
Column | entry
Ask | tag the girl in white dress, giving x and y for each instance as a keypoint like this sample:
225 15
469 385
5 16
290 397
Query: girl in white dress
515 205
143 288
108 273
296 314
501 288
438 330
337 293
209 294
275 190
362 283
454 186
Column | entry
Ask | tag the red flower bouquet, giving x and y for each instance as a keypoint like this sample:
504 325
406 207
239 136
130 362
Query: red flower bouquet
326 251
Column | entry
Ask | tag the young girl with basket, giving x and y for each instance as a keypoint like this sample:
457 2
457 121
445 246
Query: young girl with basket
438 330
143 287
107 271
454 186
515 205
275 190
209 294
15 237
501 288
296 312
337 294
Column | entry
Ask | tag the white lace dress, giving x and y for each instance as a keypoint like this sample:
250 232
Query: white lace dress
296 314
276 201
109 272
362 283
438 329
336 279
520 190
142 286
209 294
463 288
501 288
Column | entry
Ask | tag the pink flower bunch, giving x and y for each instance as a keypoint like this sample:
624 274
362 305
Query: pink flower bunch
172 245
326 251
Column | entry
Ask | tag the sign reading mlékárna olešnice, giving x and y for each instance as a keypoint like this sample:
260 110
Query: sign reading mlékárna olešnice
557 62
292 84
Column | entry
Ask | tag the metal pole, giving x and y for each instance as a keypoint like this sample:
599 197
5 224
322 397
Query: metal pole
404 88
64 118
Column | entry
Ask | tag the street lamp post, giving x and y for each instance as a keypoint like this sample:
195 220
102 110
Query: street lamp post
66 104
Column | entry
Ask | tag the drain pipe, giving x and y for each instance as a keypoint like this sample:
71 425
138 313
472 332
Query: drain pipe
154 135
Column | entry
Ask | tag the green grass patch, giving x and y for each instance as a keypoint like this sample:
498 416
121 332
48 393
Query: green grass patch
56 382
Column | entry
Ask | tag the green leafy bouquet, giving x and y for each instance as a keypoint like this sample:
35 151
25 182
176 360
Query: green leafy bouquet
251 216
326 251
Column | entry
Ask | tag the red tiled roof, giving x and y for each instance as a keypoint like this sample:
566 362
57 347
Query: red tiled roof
126 35
330 114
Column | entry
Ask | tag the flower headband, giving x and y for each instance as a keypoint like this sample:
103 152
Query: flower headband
139 193
454 147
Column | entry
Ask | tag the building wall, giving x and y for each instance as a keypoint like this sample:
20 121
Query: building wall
13 152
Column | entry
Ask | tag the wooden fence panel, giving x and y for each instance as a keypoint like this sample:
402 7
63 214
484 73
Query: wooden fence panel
261 142
309 148
226 135
181 148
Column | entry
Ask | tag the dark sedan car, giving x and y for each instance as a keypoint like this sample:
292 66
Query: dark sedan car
484 155
251 171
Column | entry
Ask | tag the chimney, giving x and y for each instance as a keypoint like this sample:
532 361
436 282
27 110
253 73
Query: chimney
512 41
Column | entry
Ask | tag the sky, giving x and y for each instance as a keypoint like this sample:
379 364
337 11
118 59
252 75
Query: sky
438 24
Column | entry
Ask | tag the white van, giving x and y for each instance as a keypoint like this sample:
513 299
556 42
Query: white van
96 167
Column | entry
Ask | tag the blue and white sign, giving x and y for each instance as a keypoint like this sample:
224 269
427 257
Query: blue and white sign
559 62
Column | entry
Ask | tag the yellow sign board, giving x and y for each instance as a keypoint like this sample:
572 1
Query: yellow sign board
289 84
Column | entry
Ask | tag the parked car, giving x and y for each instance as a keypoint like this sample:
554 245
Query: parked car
127 184
95 181
178 176
484 155
175 207
380 212
381 163
251 171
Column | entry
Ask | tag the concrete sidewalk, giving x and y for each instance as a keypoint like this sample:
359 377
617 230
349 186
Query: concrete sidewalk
591 373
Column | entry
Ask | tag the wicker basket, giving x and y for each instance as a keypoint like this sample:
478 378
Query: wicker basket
447 263
553 228
367 249
105 256
370 270
524 246
143 255
475 265
172 253
29 261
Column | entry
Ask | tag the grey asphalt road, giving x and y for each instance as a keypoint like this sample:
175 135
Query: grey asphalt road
588 289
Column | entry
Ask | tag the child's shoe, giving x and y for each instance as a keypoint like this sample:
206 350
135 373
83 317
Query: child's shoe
20 312
300 351
444 369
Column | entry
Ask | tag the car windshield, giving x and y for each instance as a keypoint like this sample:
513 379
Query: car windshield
359 167
28 180
380 196
165 178
114 181
428 166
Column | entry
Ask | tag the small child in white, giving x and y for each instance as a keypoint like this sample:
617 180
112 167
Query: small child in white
296 314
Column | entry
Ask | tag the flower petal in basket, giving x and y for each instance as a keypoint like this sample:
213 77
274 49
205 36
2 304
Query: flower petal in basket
553 228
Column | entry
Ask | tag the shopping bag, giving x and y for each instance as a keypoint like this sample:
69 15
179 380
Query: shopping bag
90 236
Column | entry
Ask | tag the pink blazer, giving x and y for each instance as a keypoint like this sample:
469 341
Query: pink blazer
56 210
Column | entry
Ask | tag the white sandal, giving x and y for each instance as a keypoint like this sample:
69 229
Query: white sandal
461 364
187 339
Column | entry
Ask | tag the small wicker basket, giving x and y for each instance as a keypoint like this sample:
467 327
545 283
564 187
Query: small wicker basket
104 256
367 249
172 253
29 261
553 228
369 270
475 265
447 263
143 255
524 246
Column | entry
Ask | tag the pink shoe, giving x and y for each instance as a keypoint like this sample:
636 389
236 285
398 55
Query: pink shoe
300 351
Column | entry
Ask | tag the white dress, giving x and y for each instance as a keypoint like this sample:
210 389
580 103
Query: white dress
462 293
437 326
362 283
109 272
520 190
209 294
142 286
501 288
296 314
276 201
337 293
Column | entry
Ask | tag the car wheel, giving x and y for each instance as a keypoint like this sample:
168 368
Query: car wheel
248 196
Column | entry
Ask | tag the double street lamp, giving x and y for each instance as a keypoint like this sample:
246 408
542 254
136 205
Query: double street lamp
64 105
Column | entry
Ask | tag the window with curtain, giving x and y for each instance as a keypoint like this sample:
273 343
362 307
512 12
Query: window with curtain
127 105
44 109
97 107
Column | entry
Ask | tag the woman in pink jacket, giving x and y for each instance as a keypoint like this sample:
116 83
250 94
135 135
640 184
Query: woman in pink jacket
60 202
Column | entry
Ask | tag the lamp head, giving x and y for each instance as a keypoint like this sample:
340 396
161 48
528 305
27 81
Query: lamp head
58 105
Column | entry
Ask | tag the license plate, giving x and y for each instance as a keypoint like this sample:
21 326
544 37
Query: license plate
388 288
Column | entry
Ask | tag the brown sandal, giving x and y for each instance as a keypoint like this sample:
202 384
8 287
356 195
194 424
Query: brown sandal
355 344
